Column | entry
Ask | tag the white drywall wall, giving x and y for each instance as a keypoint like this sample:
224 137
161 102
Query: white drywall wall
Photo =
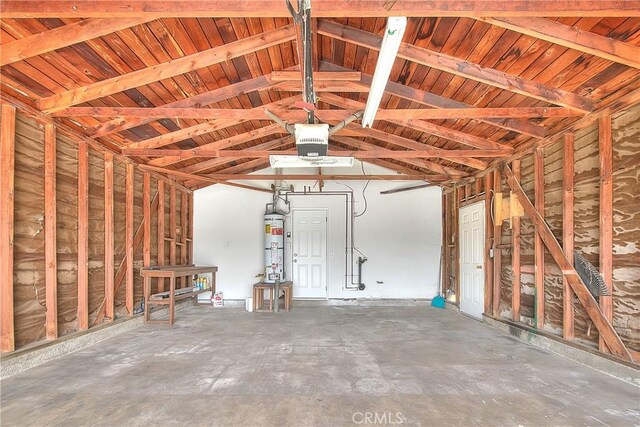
400 234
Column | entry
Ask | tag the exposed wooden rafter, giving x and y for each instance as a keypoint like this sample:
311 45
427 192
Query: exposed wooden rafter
64 36
436 101
167 70
460 67
571 37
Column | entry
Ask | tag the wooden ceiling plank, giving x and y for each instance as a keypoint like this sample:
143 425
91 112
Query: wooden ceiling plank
67 35
201 100
437 101
571 37
166 70
460 67
321 8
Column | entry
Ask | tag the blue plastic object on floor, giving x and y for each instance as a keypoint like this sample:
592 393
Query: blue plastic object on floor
438 302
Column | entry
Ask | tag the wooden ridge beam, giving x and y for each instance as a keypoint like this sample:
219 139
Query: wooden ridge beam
460 67
571 37
167 70
604 326
50 228
422 126
7 176
321 8
324 115
64 36
426 152
201 100
320 76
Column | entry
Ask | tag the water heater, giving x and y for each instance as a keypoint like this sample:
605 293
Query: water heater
273 247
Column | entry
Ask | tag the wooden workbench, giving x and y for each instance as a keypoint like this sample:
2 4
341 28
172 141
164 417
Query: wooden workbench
172 272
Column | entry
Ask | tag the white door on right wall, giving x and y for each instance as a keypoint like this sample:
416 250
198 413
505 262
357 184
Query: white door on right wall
472 259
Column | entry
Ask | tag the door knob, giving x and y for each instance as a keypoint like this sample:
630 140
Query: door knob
295 260
479 267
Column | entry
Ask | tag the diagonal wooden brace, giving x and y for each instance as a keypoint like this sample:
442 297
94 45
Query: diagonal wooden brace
605 328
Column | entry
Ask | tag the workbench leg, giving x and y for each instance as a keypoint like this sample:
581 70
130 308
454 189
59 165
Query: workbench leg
146 291
172 299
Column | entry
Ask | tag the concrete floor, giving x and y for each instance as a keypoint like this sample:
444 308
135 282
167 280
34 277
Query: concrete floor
316 366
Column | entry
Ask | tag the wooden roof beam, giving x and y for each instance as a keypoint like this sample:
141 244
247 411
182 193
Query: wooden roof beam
414 145
419 163
202 178
300 177
167 69
571 37
437 101
224 143
67 35
460 67
201 100
321 8
439 131
427 152
207 127
297 115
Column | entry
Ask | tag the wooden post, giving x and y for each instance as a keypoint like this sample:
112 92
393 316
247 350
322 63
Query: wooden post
7 163
184 211
538 184
488 241
515 255
606 217
50 226
108 238
190 229
456 231
161 209
129 234
497 254
605 328
83 235
146 213
445 245
568 312
172 224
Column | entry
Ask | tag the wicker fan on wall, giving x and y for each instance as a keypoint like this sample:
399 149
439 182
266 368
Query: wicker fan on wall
590 276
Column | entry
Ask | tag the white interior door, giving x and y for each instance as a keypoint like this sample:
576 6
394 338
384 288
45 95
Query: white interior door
309 254
472 259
